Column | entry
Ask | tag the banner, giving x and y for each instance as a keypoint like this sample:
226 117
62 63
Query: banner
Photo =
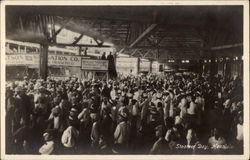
33 59
94 65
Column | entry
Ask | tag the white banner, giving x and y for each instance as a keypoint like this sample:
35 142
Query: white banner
33 59
94 65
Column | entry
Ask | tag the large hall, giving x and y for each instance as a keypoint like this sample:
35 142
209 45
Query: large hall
124 79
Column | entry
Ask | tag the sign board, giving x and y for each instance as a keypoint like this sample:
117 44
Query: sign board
144 65
126 62
64 60
33 59
22 59
126 65
94 65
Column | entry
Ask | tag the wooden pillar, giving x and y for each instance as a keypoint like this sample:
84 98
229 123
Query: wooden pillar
80 51
138 66
224 67
204 68
18 49
25 49
7 47
213 65
241 67
115 57
43 63
200 69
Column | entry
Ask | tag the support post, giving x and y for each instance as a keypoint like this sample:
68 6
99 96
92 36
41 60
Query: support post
213 68
138 66
43 62
80 51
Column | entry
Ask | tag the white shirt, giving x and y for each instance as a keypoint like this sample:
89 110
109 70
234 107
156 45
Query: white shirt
216 142
69 136
121 133
192 109
56 122
239 136
47 148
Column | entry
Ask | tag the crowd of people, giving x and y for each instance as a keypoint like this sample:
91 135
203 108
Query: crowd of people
150 114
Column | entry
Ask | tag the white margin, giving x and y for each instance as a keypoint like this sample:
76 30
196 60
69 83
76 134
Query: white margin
137 157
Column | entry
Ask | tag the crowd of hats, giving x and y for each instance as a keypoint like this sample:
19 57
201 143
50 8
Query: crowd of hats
93 94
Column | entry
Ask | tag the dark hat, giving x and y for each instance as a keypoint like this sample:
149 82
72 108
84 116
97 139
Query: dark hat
95 85
93 108
116 97
143 87
125 89
160 128
124 113
85 104
73 110
165 93
74 94
134 101
151 104
55 110
153 111
42 90
116 88
107 110
51 132
148 89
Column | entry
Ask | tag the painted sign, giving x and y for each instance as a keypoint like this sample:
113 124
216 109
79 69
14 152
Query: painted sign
64 60
22 59
94 65
144 65
33 59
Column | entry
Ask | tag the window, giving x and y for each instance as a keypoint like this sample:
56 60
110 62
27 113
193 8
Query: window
31 50
13 48
22 49
59 52
51 52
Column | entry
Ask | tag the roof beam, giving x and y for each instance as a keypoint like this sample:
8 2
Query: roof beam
144 56
227 46
60 29
144 34
98 43
78 39
134 52
79 45
120 51
169 47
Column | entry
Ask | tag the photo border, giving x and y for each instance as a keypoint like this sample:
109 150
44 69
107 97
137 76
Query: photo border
246 68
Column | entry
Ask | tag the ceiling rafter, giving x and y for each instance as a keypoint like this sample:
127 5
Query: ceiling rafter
78 39
143 35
